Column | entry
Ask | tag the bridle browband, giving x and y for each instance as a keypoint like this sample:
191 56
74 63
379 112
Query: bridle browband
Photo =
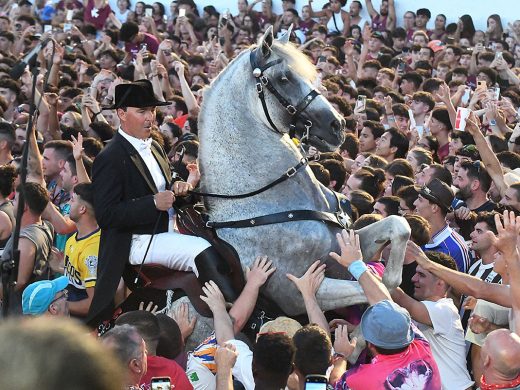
263 82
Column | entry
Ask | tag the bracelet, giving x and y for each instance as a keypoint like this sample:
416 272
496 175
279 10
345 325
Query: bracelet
95 115
357 268
493 122
391 117
153 75
84 41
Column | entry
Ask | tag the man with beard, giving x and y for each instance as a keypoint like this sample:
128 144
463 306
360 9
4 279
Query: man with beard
385 19
473 183
434 203
7 139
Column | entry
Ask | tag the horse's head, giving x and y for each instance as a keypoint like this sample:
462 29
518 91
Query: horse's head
290 103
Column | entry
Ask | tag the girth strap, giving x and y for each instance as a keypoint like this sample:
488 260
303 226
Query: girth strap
286 216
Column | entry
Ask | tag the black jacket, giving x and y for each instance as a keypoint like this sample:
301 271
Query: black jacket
123 203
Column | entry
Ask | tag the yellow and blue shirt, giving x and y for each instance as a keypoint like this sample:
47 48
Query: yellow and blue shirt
81 260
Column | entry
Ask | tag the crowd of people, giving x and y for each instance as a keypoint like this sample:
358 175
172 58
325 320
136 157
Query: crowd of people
432 113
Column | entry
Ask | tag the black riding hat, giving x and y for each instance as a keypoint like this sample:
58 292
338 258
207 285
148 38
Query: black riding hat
137 94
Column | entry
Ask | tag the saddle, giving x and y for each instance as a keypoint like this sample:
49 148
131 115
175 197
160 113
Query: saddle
189 221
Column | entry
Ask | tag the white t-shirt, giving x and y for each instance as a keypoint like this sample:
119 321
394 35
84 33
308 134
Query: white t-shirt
446 339
498 315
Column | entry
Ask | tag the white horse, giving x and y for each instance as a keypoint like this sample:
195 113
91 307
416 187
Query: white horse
244 146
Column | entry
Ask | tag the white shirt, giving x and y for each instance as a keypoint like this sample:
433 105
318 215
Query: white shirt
446 339
145 151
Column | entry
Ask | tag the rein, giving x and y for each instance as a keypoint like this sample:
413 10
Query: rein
289 173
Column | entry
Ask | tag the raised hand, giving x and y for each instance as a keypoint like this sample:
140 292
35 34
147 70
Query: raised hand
342 344
311 280
77 147
260 271
350 248
507 233
213 297
181 315
150 307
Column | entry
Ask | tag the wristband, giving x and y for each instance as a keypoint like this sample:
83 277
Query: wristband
357 268
493 122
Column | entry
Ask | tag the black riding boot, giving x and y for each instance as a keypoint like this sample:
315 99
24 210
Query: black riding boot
212 266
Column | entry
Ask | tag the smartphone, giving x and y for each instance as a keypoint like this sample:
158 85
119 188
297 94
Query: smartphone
67 27
182 12
161 383
361 103
148 12
411 118
401 66
481 84
70 14
322 59
496 96
466 96
498 54
406 50
47 28
315 382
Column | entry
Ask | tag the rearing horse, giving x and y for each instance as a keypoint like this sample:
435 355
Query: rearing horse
247 113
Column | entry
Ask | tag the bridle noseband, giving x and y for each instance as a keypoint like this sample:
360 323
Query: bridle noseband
295 111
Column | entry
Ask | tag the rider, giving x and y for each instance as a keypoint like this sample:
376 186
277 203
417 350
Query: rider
132 196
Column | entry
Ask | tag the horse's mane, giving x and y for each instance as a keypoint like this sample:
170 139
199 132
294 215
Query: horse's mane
298 61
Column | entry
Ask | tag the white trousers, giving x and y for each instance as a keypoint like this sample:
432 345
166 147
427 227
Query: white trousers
171 249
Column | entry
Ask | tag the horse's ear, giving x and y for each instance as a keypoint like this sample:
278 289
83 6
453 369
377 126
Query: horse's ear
266 42
286 35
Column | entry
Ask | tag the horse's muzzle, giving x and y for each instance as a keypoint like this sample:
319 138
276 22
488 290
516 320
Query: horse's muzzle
338 126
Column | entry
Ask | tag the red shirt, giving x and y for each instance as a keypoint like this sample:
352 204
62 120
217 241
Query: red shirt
152 45
97 17
160 366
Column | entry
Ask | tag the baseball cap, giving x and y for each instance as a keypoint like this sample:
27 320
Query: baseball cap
438 192
436 45
38 296
281 324
387 325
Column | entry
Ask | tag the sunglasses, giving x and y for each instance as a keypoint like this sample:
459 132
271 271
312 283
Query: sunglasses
65 295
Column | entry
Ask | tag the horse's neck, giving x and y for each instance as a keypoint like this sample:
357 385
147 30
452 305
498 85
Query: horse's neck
238 153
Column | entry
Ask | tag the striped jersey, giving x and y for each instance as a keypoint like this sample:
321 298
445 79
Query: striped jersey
484 272
450 242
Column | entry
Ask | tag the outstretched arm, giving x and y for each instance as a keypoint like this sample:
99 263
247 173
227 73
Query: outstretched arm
221 319
507 244
465 284
244 305
489 157
351 258
308 284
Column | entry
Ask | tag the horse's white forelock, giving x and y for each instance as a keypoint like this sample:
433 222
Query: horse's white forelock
298 61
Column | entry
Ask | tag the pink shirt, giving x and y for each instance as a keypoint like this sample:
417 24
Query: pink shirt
415 368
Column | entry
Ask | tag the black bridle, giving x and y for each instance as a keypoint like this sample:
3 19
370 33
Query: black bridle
295 111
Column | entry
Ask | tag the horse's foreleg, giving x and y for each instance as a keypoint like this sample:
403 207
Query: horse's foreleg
337 293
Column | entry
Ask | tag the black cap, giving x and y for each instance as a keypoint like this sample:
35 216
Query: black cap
438 192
